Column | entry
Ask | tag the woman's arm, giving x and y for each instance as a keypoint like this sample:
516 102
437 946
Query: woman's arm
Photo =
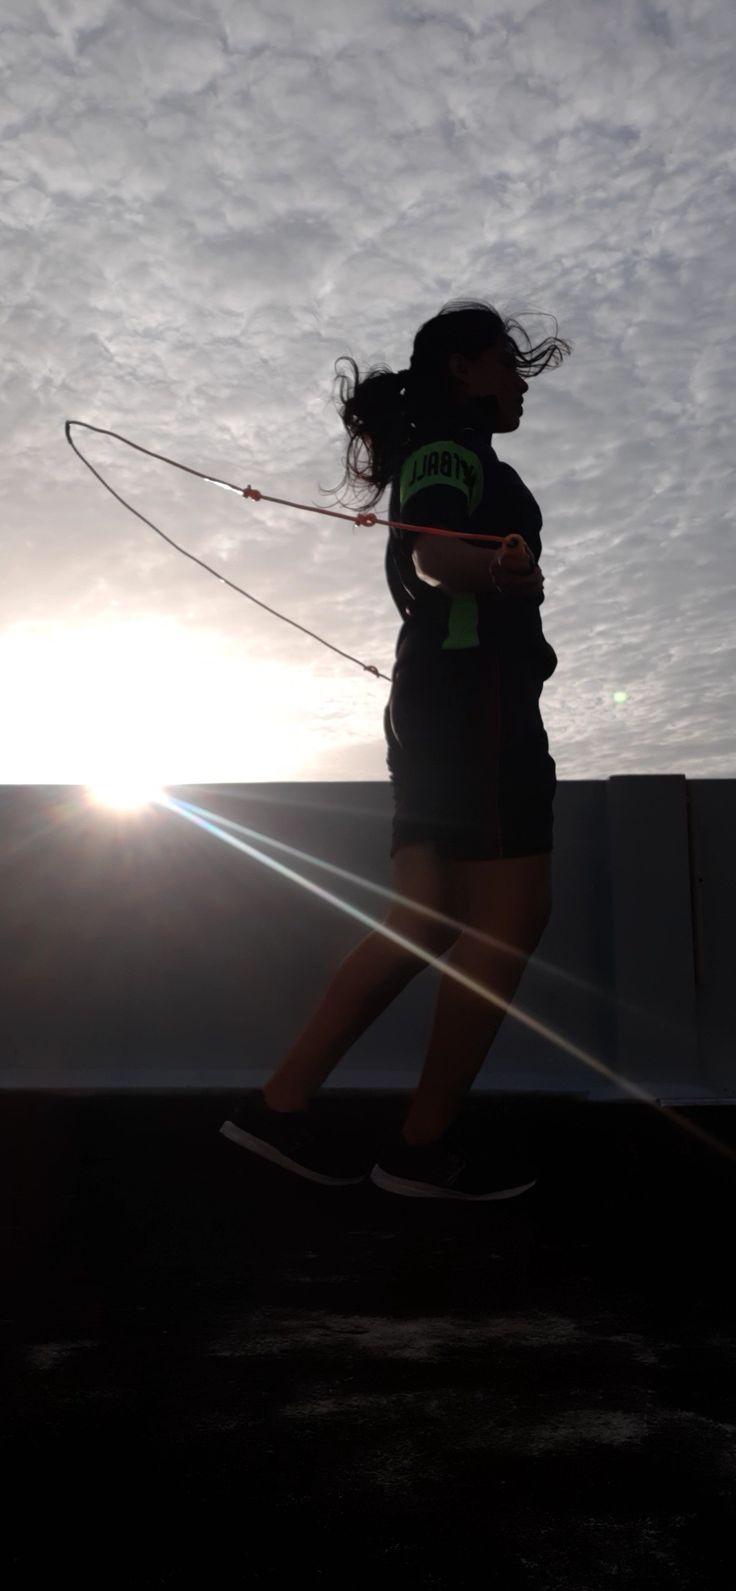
448 562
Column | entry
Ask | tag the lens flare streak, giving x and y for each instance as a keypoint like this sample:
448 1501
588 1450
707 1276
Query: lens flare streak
205 821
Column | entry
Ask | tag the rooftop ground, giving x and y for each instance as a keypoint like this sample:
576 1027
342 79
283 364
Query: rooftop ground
215 1366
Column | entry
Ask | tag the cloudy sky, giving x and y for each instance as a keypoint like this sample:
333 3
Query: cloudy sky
204 205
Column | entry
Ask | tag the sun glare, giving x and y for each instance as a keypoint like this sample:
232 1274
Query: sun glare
124 708
124 795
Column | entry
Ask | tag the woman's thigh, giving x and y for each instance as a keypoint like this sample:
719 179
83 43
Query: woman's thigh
436 898
511 896
422 886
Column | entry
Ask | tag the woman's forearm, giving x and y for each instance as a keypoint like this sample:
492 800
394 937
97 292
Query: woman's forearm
449 562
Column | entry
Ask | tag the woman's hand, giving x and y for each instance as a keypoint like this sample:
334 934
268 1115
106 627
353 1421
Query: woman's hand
516 572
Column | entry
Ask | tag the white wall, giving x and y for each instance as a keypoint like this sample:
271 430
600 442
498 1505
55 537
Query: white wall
147 951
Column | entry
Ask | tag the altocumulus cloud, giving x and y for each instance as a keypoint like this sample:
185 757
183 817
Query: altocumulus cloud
203 206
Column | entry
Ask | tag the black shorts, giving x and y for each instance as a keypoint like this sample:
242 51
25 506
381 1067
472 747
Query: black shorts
468 756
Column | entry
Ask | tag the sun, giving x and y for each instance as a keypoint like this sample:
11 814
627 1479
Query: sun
124 795
123 708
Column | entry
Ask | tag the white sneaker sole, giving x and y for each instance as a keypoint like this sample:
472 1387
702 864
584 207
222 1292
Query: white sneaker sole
425 1190
258 1146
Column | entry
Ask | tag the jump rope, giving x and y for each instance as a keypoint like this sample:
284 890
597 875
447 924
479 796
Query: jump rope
517 549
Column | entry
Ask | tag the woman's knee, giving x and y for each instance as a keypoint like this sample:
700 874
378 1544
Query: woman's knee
423 937
420 909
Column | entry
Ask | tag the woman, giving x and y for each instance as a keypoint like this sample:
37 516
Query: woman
468 756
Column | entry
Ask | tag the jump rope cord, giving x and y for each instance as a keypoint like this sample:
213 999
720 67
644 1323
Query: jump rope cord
251 491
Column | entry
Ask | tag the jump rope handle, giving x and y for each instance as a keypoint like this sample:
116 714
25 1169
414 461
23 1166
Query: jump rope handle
515 552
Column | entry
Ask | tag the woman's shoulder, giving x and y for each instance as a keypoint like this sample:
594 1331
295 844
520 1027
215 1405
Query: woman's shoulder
443 455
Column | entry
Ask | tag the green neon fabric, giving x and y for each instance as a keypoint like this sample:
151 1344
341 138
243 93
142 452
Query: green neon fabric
443 463
446 463
462 625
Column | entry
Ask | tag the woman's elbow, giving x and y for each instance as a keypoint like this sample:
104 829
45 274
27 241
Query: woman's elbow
420 557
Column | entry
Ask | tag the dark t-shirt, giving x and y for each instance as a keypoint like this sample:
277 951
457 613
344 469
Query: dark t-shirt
454 479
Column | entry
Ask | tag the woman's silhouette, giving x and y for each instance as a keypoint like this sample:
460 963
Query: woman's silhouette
467 753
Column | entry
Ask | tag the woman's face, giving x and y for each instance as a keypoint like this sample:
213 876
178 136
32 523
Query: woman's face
492 384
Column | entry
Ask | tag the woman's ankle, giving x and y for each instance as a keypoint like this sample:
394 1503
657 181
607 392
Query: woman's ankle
421 1138
283 1103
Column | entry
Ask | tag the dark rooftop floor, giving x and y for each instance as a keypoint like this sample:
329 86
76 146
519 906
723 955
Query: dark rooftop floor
214 1366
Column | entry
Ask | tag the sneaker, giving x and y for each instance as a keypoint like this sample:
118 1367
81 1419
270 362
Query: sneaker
443 1171
295 1140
